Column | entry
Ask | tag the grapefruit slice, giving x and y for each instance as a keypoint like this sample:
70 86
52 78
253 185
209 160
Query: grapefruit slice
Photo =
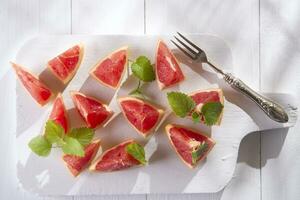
142 115
93 111
204 96
115 158
59 113
168 72
188 143
110 70
36 88
77 164
65 65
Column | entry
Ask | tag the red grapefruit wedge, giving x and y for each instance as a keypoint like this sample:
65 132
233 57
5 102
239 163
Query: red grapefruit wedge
38 90
77 164
142 115
110 70
168 72
187 143
93 111
115 158
59 113
204 96
65 65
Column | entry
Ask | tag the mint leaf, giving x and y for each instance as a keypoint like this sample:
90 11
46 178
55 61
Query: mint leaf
199 151
196 117
54 132
211 112
143 69
40 146
136 151
83 135
180 103
72 147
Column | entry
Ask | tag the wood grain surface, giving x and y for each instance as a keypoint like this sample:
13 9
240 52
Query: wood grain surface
265 30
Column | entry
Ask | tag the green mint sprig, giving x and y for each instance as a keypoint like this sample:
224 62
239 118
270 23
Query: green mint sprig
72 143
183 105
137 151
180 103
143 70
199 151
211 112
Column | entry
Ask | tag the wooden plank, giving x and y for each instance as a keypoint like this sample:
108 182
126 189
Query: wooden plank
55 17
112 197
280 72
240 29
20 20
107 17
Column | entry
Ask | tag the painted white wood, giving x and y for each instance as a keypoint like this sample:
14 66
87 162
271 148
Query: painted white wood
112 197
36 175
20 20
280 60
55 17
107 17
208 196
10 41
237 23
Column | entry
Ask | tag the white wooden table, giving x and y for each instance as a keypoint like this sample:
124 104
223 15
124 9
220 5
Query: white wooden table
263 35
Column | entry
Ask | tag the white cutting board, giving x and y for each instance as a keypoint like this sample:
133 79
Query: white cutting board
165 172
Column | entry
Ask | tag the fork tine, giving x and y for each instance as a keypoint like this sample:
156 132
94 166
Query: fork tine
191 43
184 51
186 46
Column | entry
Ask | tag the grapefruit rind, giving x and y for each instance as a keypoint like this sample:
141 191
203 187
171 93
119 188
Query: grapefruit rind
71 75
94 68
17 67
160 112
73 171
221 96
167 130
73 93
161 86
97 160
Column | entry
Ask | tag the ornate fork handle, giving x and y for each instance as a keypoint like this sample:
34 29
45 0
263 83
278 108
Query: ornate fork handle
272 109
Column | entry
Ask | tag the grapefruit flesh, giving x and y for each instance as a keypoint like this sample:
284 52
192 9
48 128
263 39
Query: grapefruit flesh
185 141
38 90
204 96
76 164
115 159
93 111
142 115
168 72
65 65
59 113
110 70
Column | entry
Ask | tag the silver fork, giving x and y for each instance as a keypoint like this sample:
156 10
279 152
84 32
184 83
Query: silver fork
271 108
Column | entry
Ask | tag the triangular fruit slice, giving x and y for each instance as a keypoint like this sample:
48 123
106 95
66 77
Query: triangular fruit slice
204 96
65 65
59 113
77 164
168 72
142 115
115 158
93 111
110 70
36 88
191 146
